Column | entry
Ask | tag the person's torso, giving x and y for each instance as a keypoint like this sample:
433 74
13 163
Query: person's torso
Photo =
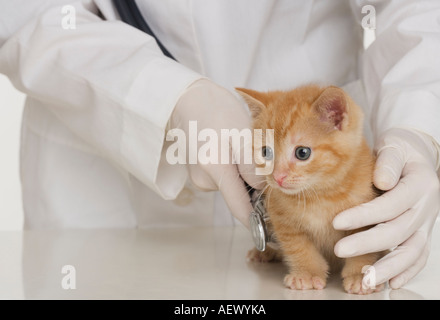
263 44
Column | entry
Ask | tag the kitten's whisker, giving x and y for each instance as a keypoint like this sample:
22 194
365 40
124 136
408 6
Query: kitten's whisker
256 185
260 183
262 191
299 200
315 194
305 201
268 196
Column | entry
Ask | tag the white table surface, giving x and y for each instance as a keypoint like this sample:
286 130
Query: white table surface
194 263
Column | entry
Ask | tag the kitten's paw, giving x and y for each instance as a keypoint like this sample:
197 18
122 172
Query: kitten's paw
353 284
304 281
269 255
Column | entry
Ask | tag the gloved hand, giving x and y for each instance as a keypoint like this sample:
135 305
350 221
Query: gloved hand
214 107
405 215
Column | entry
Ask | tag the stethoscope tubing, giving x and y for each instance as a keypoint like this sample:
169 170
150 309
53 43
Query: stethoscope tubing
130 14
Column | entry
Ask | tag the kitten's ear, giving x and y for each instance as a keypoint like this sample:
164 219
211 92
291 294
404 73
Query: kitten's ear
254 99
331 106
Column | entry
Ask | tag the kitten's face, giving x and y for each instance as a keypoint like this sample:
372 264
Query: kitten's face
314 131
303 158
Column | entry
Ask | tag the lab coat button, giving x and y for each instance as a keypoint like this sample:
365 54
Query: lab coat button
185 197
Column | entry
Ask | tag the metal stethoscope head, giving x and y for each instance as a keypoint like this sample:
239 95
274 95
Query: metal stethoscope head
258 221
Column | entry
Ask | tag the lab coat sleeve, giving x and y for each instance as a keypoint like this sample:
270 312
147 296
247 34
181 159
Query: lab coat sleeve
106 81
401 68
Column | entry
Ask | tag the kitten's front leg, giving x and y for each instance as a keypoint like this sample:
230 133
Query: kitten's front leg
268 255
352 274
308 268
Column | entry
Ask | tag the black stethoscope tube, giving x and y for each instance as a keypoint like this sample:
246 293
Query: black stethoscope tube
130 14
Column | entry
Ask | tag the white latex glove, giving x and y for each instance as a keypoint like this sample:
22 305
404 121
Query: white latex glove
405 215
216 108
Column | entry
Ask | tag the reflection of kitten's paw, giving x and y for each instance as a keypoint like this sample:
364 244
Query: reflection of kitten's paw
268 255
304 281
353 284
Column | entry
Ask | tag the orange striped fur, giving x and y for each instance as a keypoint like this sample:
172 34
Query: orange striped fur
337 176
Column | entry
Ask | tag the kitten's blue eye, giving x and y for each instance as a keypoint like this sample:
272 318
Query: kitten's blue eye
303 153
267 153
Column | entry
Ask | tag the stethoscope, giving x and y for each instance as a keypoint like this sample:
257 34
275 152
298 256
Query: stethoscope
130 14
258 219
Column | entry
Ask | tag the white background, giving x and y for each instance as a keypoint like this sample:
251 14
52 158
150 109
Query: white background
11 107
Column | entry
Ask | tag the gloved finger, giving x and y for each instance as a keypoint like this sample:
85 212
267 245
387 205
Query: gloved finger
242 154
236 196
389 165
201 178
378 238
406 257
401 279
386 207
247 172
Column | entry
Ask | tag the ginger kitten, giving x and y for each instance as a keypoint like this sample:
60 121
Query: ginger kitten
322 166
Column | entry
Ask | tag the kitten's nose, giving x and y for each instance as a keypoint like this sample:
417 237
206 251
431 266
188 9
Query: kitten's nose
279 177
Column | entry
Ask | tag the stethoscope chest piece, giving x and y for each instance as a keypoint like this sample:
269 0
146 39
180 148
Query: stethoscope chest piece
258 230
257 223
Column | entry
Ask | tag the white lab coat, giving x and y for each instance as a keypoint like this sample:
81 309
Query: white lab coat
100 95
